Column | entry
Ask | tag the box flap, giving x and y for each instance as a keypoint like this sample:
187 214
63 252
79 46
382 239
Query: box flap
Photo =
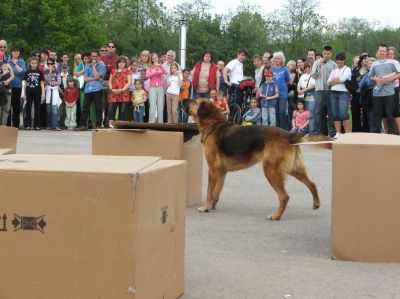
87 164
5 151
368 138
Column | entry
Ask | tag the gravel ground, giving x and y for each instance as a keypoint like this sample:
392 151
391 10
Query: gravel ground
234 252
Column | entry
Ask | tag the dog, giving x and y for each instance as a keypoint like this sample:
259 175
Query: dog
229 147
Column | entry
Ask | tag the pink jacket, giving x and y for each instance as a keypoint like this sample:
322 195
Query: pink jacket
156 79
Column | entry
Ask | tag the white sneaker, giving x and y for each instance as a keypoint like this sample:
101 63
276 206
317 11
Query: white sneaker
336 137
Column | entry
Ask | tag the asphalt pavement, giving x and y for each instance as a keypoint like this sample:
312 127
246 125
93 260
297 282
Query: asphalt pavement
234 252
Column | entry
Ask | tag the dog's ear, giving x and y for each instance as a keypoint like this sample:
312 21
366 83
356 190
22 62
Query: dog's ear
204 109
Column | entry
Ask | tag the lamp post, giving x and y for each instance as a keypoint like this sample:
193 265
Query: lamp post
182 43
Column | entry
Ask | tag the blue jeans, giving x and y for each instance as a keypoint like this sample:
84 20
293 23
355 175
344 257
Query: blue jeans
138 113
182 115
205 95
268 115
299 131
321 98
339 104
282 110
52 115
310 106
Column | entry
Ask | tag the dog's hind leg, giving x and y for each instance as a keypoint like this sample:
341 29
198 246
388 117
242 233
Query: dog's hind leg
276 177
299 172
213 178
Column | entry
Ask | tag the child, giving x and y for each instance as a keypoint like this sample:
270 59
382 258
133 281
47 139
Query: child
301 119
71 96
268 94
34 92
185 93
135 74
253 115
220 103
213 95
139 97
174 83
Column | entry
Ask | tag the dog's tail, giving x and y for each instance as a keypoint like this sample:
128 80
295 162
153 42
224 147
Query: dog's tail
320 141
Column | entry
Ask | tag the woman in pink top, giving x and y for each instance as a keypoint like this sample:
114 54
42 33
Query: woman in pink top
155 73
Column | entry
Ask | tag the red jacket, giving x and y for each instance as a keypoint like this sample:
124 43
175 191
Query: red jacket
71 95
212 76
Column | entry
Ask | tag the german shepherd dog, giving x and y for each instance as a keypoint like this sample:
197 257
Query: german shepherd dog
229 147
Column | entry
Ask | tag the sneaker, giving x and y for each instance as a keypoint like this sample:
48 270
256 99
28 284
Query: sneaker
337 135
37 129
57 129
27 128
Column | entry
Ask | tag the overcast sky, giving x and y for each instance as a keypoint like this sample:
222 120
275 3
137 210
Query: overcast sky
332 10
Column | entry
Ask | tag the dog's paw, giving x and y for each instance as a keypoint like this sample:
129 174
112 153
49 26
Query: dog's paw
316 207
273 217
202 210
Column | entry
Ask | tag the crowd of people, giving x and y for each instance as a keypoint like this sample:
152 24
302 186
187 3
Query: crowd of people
306 95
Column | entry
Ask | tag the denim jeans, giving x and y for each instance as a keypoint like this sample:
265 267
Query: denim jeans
122 110
138 113
282 110
321 98
52 115
299 131
156 102
310 106
339 104
182 115
205 95
96 98
268 115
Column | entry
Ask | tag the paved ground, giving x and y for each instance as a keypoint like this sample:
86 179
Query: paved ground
234 252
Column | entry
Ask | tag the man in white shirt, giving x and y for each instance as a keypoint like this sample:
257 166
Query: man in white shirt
235 71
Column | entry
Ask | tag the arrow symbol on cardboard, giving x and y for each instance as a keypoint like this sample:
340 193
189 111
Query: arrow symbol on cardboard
4 229
16 222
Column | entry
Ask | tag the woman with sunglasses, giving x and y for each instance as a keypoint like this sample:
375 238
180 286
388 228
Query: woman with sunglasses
53 81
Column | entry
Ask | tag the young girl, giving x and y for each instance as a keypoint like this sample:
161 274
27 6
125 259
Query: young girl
139 97
119 82
221 104
253 115
156 72
184 94
34 92
53 100
301 119
174 83
135 74
71 96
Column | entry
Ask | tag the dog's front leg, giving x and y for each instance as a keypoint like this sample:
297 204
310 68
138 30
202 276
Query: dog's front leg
212 180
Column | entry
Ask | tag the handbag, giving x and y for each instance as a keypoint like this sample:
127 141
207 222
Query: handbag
351 84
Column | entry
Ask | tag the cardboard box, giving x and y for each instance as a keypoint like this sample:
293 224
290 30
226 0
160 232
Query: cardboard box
91 227
8 138
166 144
365 198
6 151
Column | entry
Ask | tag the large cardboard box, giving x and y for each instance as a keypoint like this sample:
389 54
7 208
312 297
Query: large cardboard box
91 227
365 198
166 144
8 138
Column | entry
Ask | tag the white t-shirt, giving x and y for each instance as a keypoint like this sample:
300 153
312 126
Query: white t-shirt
173 83
258 73
342 74
236 71
306 81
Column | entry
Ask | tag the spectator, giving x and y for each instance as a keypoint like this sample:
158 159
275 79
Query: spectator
139 97
43 67
19 68
174 82
281 80
305 91
392 53
53 54
301 119
6 76
311 55
383 72
320 72
103 51
64 85
358 118
64 61
266 61
184 94
44 55
34 92
53 100
156 72
300 66
4 56
119 81
234 69
205 74
292 90
221 82
144 59
94 73
221 103
71 96
366 86
258 72
135 74
339 95
253 115
163 57
268 94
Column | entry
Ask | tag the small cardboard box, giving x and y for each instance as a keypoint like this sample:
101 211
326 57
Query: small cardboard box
91 227
166 144
365 198
8 138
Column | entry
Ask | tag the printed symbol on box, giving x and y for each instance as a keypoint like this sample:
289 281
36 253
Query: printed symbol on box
28 223
164 215
3 228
